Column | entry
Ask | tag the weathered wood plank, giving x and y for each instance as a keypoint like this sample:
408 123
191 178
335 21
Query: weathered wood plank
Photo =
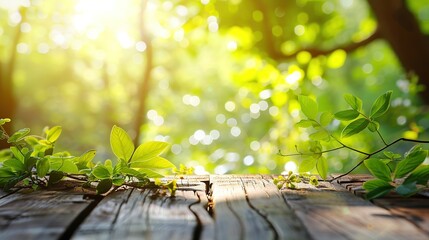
415 209
335 213
148 214
40 214
250 207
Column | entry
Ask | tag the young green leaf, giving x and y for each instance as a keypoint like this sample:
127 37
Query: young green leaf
411 162
14 164
305 123
17 153
322 167
63 164
104 186
381 105
101 172
85 158
308 106
378 169
53 134
19 135
353 101
42 167
326 118
149 150
121 143
150 173
354 127
420 175
347 115
153 163
307 165
4 120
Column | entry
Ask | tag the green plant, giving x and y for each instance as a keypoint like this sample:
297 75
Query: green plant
31 161
405 175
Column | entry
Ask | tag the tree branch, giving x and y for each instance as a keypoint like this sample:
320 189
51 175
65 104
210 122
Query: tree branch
318 52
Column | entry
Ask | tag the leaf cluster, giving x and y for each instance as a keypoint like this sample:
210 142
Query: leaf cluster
290 180
388 169
392 167
31 161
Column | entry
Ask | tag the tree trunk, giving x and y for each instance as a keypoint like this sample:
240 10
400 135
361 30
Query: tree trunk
8 100
143 90
401 30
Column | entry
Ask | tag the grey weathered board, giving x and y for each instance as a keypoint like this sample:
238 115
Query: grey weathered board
241 207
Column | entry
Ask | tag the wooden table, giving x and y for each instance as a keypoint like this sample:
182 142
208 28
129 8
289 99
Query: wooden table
216 207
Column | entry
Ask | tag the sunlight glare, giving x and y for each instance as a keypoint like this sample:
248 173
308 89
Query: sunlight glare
290 166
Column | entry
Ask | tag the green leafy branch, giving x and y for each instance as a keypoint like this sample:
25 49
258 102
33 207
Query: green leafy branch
31 162
390 169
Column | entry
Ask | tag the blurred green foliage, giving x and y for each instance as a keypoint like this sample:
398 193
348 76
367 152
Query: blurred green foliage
225 77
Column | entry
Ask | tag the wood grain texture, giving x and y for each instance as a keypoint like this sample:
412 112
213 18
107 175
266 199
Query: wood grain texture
415 209
250 207
40 214
330 212
148 214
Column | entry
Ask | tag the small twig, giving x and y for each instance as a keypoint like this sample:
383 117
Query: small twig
382 139
305 154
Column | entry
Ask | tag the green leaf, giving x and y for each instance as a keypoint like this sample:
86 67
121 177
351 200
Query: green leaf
347 115
42 167
322 167
121 143
379 192
101 172
14 164
104 186
353 101
381 105
411 162
118 181
420 176
53 134
373 126
149 150
19 135
373 184
15 151
407 189
150 173
378 169
354 127
305 123
308 106
326 118
153 163
55 177
307 165
29 163
63 164
319 135
85 158
4 120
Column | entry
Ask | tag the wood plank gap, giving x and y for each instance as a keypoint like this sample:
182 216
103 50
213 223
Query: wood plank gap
74 225
263 216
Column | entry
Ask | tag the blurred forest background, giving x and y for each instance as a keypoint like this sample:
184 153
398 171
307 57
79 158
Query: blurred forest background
217 79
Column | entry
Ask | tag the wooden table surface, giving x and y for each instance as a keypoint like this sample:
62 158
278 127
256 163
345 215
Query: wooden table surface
216 207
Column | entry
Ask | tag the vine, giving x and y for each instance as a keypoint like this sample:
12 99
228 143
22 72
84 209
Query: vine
32 162
405 174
